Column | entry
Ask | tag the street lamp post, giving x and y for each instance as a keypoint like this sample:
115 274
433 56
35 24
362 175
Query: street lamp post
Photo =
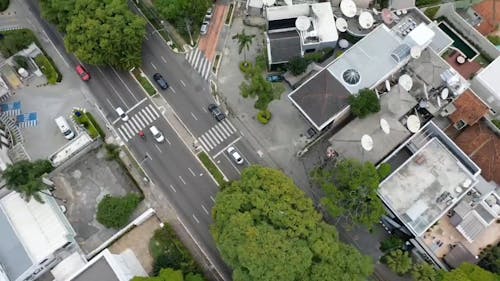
144 159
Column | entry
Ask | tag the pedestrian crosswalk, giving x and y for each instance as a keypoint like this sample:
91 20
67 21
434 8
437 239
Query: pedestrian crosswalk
216 135
27 120
200 63
138 122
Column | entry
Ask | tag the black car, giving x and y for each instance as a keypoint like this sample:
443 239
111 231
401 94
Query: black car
160 81
216 112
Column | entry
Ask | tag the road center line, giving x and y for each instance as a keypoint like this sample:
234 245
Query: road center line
182 180
172 187
204 209
194 175
173 90
163 59
194 116
154 66
196 219
123 82
183 84
157 147
113 88
211 198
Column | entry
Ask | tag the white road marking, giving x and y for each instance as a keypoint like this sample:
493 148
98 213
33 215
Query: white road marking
232 164
204 209
59 53
182 180
183 84
194 116
230 124
172 187
224 134
151 114
122 134
196 219
110 103
208 141
136 105
126 131
123 82
134 119
241 133
146 114
136 130
173 90
154 66
139 118
224 149
194 175
128 127
113 88
204 109
217 134
167 141
163 59
216 140
211 198
157 147
154 110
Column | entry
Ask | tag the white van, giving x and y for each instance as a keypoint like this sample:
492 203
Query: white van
64 127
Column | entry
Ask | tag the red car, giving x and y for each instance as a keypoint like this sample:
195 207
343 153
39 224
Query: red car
82 72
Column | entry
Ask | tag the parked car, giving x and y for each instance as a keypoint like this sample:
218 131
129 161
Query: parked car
162 83
156 134
235 155
122 114
204 28
216 112
274 78
82 72
208 15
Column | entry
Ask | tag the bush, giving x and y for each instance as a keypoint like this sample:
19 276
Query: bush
113 151
297 65
390 244
264 116
47 69
398 261
495 40
96 125
364 103
216 173
4 4
88 123
246 67
115 212
16 40
431 12
21 61
384 170
319 56
146 85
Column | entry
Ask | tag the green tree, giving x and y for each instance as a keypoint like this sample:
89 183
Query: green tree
398 261
170 274
297 65
391 243
106 33
4 4
58 12
115 212
384 170
425 272
267 229
244 43
25 177
351 191
491 259
186 16
469 272
364 103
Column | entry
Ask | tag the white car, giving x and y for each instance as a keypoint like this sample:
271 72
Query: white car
204 28
122 114
156 134
235 155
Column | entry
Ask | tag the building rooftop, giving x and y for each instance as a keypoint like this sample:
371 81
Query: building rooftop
284 46
469 108
441 40
320 98
489 78
434 176
99 270
467 69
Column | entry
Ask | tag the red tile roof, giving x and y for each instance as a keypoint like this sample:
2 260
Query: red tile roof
469 108
485 9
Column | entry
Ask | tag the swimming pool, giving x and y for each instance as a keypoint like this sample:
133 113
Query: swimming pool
459 42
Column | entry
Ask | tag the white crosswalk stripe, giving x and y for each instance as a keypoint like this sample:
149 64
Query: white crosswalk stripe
199 62
138 121
216 135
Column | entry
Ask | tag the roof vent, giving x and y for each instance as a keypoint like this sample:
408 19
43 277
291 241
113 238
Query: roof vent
351 76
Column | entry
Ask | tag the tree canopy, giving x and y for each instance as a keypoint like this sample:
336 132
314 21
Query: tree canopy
244 41
351 191
491 259
169 274
425 272
115 212
398 261
469 272
99 32
364 103
267 229
25 177
186 16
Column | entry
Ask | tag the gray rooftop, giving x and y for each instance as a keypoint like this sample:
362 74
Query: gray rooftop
99 270
441 40
370 57
284 46
13 257
320 98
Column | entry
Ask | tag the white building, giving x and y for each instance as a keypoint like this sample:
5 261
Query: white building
487 86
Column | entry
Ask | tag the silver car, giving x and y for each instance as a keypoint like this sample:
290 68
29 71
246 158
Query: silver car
235 155
204 28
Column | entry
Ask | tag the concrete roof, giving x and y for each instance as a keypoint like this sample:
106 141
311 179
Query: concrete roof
320 98
393 106
284 46
441 40
489 77
371 57
99 270
13 257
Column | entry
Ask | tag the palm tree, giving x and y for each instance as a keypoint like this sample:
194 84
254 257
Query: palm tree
25 177
244 42
398 261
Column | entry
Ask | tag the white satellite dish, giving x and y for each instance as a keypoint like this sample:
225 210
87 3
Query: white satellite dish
341 24
348 8
269 2
413 123
367 142
343 44
387 85
366 20
415 52
405 82
444 93
385 126
302 23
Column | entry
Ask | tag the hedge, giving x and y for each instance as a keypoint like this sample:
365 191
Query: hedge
146 85
115 212
96 125
47 69
264 116
216 173
88 123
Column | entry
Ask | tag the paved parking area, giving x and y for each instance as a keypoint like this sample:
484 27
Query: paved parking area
83 184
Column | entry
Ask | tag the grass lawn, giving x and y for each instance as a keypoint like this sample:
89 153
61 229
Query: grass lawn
216 173
144 82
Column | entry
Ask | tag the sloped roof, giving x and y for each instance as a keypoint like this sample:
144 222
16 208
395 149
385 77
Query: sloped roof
469 108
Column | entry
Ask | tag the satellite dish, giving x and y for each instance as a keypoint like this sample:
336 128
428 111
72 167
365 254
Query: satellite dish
341 24
367 142
269 2
444 93
348 8
343 44
387 85
385 126
415 52
366 20
405 82
413 123
302 23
